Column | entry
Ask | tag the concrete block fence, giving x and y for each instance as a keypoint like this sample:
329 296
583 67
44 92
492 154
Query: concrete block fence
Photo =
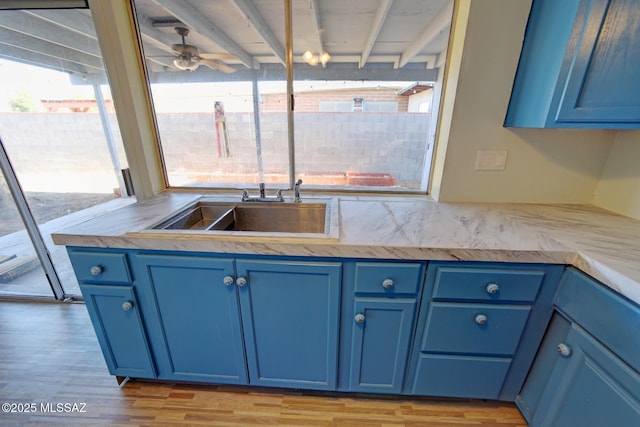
73 144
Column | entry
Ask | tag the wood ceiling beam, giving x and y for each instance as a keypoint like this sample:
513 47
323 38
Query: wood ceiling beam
378 21
16 54
260 25
438 24
188 14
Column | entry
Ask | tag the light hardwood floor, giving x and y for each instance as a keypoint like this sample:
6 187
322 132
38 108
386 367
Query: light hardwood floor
49 355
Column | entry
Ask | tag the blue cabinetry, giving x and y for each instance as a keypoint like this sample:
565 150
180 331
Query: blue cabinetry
115 312
290 317
198 333
579 66
380 324
479 326
587 371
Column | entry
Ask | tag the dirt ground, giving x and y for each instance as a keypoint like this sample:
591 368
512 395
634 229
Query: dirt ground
45 207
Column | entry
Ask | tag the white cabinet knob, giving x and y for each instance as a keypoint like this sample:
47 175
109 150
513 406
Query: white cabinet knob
127 305
492 288
481 319
241 281
564 350
359 318
227 280
96 270
387 283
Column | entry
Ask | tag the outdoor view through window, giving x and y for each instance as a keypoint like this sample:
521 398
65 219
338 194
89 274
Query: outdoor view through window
366 78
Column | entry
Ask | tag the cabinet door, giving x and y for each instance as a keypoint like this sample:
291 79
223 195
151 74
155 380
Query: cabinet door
589 386
116 319
381 336
290 316
602 65
199 317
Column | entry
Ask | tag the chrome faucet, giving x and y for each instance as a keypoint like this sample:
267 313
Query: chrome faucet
296 191
262 197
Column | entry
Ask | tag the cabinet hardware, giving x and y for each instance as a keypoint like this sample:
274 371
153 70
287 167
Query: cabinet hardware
227 280
492 288
96 270
241 281
387 283
359 318
481 319
127 305
564 350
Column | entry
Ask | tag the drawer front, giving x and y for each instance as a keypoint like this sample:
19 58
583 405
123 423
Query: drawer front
97 267
459 328
460 376
486 284
388 278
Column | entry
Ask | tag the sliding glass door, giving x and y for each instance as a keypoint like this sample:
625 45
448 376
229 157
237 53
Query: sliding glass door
62 153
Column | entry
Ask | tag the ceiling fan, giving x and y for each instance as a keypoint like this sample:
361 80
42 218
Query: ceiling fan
190 59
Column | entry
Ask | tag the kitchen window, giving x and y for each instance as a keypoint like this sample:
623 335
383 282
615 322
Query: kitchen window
362 81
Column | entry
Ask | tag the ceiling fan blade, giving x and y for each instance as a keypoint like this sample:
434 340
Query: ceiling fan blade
217 66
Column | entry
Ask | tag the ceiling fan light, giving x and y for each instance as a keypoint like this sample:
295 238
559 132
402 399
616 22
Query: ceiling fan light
307 56
324 58
186 63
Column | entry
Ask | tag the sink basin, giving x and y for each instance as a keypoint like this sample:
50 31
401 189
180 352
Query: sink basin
273 217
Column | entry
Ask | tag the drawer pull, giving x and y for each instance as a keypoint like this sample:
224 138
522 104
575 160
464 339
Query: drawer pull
359 318
481 319
96 270
564 350
492 288
127 305
387 283
227 280
241 281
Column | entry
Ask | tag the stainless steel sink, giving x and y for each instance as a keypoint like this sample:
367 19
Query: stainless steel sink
282 217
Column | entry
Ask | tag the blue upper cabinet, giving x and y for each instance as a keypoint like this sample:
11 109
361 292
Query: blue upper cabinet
579 66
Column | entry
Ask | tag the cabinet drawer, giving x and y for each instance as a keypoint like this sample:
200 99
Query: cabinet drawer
460 376
100 267
458 328
388 278
486 284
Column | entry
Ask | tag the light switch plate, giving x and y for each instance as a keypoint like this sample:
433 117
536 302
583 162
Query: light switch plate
491 160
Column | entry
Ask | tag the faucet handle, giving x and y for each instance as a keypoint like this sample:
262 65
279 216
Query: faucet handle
296 191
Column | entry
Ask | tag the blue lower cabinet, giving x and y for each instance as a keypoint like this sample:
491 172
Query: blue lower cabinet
447 375
588 387
587 371
290 318
115 314
199 317
382 331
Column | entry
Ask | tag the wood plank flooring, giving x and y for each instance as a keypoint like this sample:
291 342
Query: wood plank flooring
49 355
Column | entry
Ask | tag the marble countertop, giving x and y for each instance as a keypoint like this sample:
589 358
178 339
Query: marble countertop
600 243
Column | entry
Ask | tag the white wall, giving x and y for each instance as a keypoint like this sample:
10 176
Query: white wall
543 166
619 186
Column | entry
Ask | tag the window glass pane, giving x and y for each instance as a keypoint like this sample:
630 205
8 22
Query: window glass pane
206 97
364 76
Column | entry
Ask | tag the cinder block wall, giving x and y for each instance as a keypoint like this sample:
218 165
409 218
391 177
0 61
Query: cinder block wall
74 143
